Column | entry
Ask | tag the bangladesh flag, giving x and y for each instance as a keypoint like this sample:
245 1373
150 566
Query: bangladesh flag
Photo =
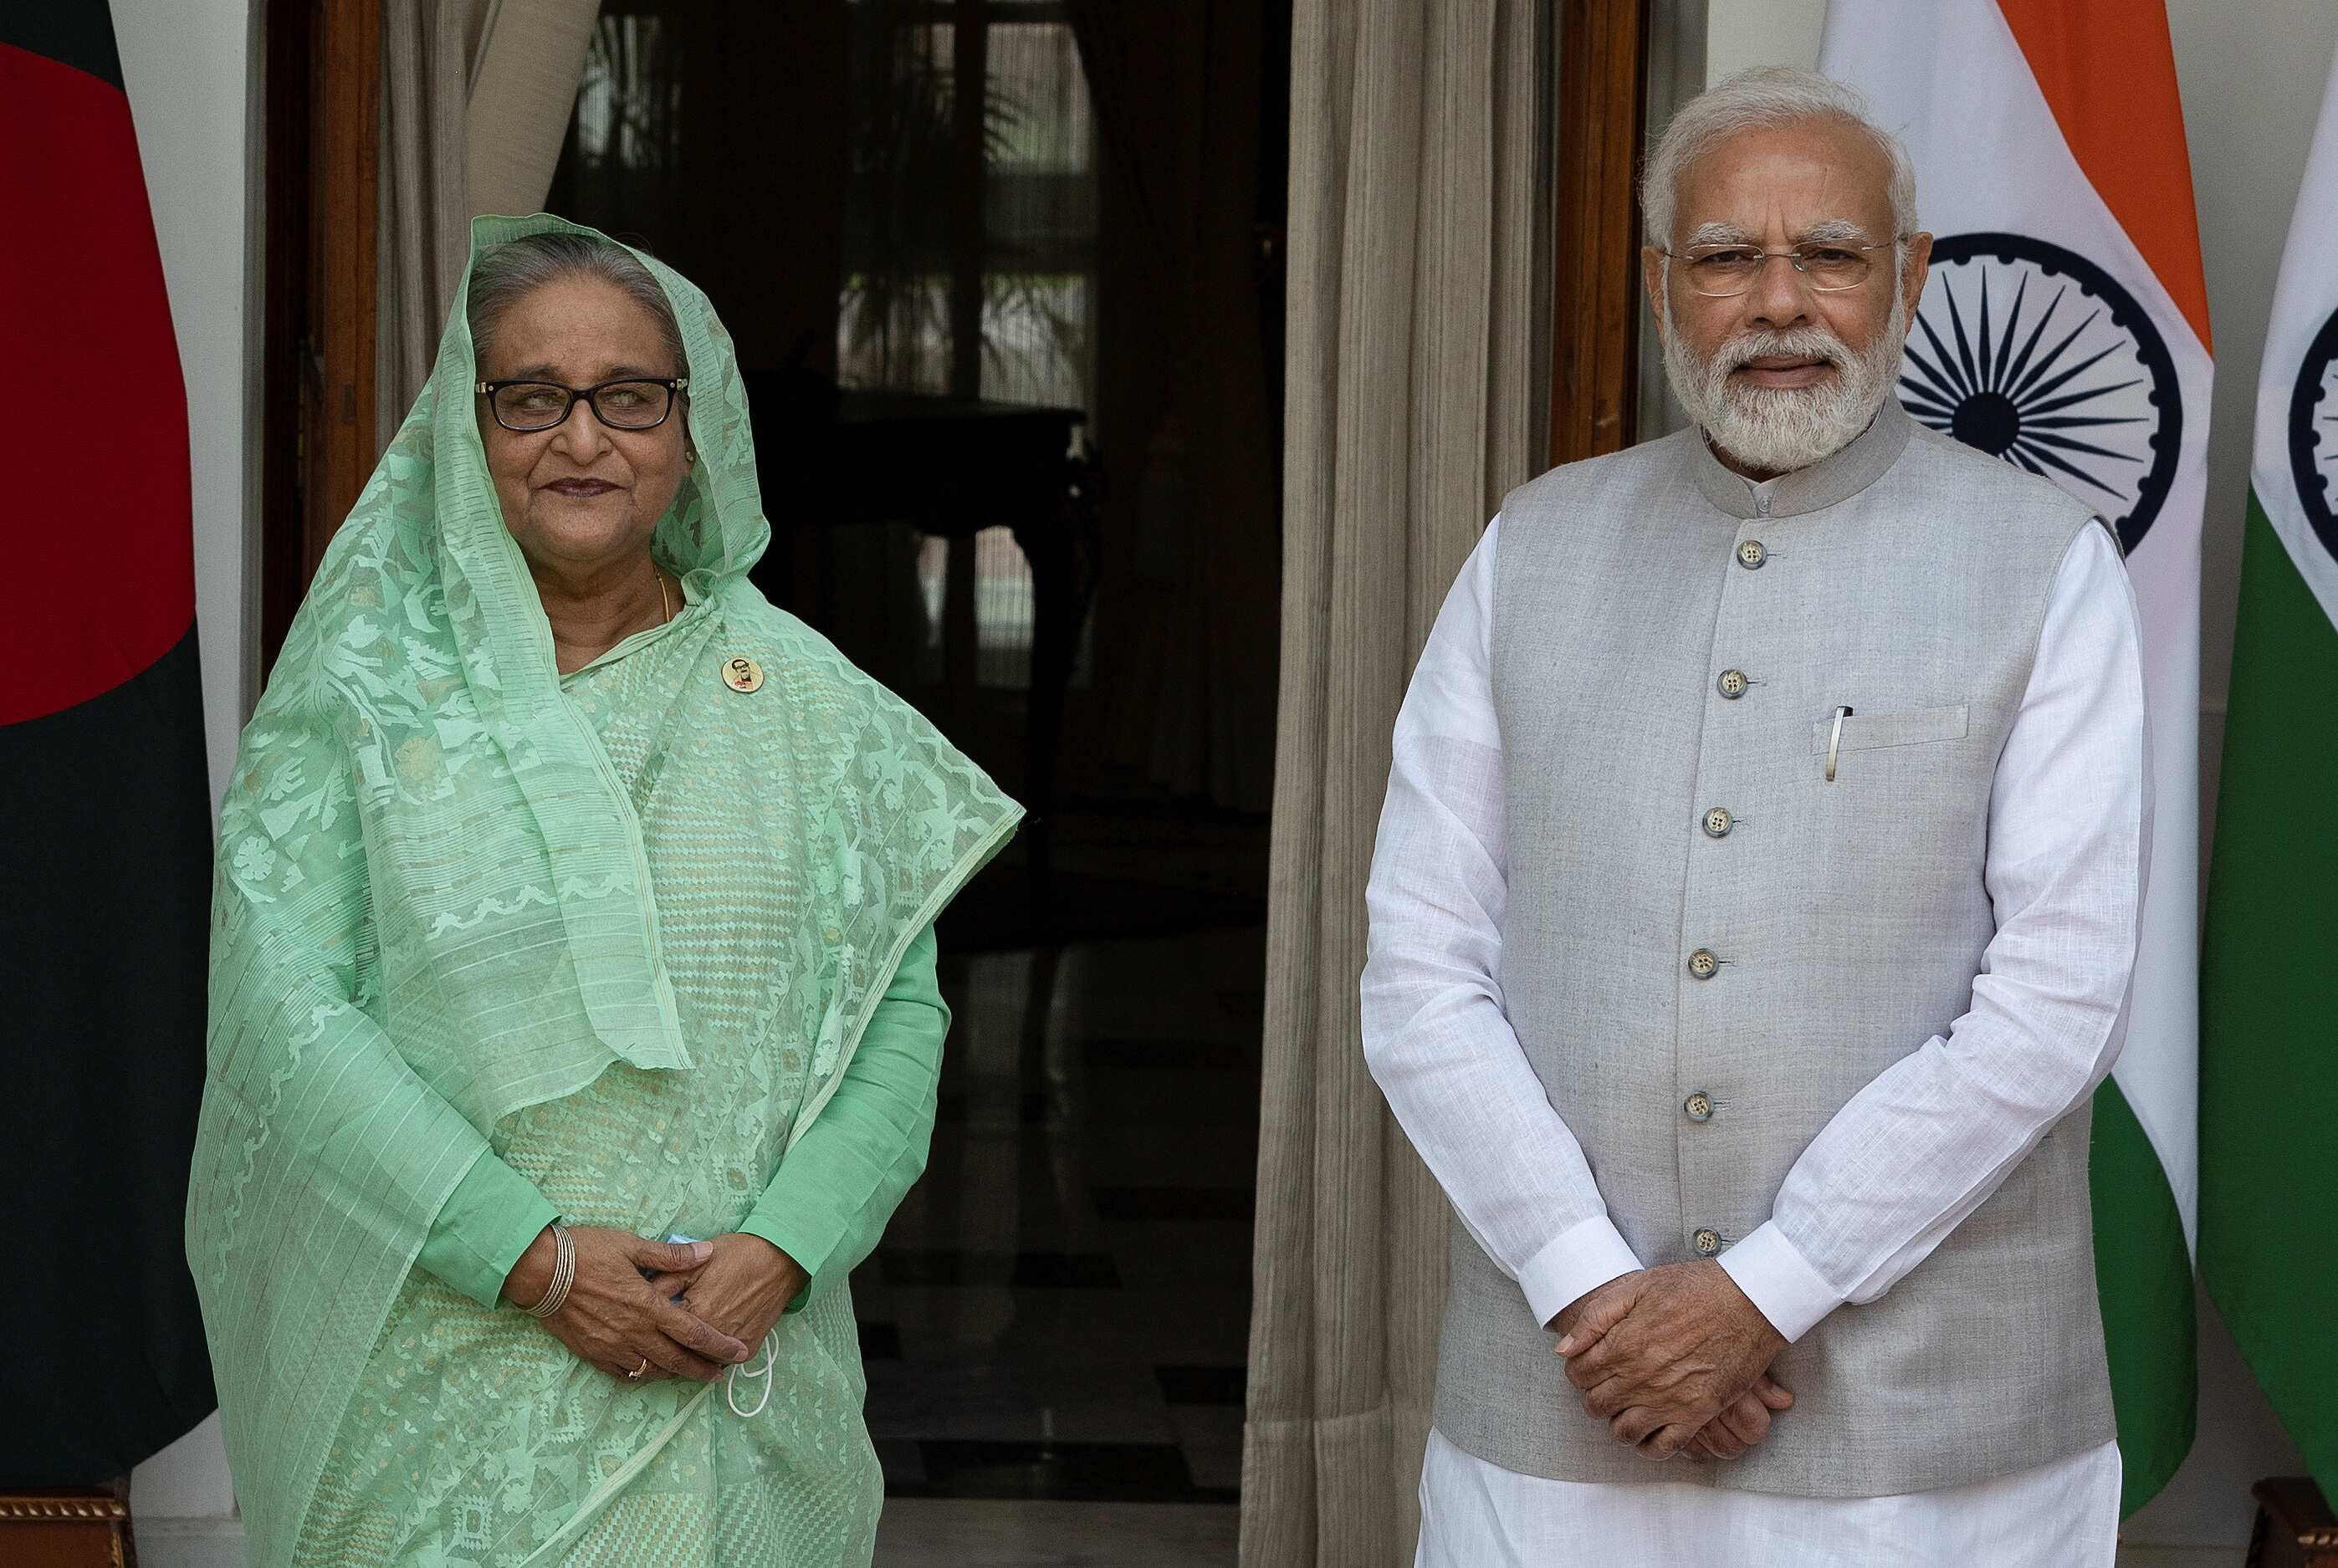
105 861
2065 329
2269 969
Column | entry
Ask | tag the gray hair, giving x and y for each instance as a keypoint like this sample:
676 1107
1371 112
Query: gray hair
1764 96
511 271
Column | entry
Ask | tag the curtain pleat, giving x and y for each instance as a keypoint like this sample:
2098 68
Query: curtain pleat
425 224
521 90
1410 412
475 98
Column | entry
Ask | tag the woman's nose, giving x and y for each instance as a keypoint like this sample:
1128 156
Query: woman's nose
580 434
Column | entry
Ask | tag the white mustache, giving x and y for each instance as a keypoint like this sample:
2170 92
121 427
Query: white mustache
1808 343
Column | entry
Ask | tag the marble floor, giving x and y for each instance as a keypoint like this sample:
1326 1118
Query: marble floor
1054 1326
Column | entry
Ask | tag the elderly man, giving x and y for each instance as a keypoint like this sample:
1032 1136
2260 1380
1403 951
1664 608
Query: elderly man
1752 919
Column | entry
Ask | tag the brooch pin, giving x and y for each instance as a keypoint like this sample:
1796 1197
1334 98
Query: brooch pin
742 674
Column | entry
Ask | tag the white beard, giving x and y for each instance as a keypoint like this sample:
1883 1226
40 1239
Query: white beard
1782 428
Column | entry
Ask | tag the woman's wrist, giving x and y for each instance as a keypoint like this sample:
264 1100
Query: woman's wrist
779 1261
531 1277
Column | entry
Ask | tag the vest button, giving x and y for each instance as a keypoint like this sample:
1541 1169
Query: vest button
1708 1242
1702 964
1751 555
1718 822
1698 1105
1732 684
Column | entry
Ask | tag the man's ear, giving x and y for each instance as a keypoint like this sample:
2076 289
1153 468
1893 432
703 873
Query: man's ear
1915 269
1652 283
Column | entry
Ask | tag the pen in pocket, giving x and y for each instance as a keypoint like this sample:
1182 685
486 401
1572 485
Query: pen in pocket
1834 740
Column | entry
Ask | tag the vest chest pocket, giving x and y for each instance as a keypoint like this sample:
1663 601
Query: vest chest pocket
1908 727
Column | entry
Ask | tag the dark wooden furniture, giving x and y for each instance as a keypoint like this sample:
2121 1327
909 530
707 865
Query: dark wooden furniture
66 1527
949 467
2295 1528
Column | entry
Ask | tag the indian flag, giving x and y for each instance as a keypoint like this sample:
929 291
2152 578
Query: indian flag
2269 978
2066 329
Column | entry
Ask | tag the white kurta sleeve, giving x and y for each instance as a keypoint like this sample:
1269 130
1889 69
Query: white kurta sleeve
1435 1038
1926 1142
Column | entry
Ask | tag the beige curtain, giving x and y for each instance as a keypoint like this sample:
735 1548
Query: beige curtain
476 97
1413 408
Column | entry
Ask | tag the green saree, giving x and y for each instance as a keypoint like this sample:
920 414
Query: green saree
624 932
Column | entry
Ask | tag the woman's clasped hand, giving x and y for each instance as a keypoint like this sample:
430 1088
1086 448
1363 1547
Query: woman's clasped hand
616 1319
741 1288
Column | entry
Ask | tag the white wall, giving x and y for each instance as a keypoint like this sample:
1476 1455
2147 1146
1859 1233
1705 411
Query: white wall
2251 83
185 64
190 68
1739 33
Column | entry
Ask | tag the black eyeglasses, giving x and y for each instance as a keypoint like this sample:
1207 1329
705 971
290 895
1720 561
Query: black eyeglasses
631 404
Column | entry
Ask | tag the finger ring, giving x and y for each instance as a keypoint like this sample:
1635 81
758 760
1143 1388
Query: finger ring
635 1374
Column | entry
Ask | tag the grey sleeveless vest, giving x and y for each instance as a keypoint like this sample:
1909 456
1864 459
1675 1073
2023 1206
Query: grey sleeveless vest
1696 910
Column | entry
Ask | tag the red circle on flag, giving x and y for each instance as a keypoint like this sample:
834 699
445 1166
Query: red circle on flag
97 517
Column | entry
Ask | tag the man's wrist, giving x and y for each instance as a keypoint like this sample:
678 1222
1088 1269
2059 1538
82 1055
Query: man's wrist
1780 1282
1572 1265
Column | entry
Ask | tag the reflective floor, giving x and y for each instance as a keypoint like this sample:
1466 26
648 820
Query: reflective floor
946 1532
1058 1312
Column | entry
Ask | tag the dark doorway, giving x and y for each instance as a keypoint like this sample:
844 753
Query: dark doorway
1014 359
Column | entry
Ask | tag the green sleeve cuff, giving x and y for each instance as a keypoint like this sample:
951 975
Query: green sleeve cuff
828 1202
487 1221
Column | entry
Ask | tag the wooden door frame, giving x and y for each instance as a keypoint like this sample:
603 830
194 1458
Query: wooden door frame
320 188
1594 272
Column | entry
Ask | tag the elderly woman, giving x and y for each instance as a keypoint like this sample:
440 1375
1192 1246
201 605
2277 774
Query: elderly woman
574 1027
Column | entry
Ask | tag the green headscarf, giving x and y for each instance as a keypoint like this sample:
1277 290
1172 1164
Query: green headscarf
432 906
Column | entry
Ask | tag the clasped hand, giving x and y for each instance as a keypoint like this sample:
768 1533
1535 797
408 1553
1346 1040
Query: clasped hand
621 1310
1675 1360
